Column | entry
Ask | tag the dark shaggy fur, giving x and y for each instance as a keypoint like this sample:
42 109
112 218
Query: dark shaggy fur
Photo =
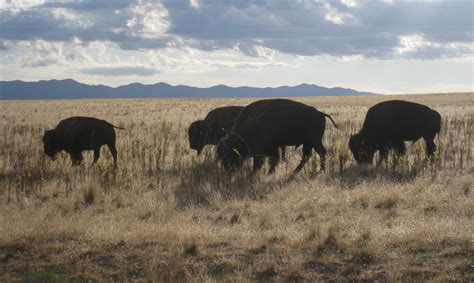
264 126
76 134
214 127
388 124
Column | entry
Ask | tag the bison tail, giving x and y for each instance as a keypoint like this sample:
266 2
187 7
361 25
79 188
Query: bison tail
330 118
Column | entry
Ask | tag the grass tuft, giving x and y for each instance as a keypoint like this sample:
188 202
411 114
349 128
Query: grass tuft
191 250
387 204
466 188
89 196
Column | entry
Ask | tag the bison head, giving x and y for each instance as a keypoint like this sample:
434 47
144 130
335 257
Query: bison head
361 149
230 156
197 134
49 144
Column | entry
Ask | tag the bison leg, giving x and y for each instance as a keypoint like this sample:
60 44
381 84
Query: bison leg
283 153
322 156
430 147
113 151
383 154
76 158
73 159
400 148
80 158
274 159
306 155
96 155
257 164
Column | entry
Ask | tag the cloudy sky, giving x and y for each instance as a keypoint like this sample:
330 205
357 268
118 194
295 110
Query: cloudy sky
380 46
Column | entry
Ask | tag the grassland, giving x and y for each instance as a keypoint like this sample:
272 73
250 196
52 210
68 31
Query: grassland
166 214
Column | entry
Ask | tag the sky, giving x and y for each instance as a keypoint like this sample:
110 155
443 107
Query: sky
379 46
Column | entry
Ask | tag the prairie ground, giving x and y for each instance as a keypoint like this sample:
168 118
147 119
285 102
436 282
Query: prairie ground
166 214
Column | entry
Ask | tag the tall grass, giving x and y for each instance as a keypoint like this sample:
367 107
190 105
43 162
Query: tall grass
183 216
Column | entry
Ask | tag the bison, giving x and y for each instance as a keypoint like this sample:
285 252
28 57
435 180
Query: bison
76 134
388 124
265 125
213 127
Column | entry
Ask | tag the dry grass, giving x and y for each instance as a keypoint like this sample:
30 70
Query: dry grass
167 215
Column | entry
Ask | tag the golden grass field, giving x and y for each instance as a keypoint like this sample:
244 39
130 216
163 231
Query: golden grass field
166 214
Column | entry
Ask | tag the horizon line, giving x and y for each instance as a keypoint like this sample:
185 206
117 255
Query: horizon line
243 86
175 85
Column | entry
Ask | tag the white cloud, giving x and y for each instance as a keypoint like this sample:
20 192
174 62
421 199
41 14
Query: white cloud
410 43
70 18
5 45
309 28
416 46
194 3
147 20
19 4
184 39
335 16
189 60
120 71
255 50
41 53
349 3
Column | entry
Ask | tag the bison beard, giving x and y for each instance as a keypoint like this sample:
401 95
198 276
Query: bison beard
76 134
214 127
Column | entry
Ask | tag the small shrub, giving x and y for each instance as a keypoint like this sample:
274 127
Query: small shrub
89 196
266 274
192 250
313 233
466 188
235 219
330 243
387 204
40 276
363 256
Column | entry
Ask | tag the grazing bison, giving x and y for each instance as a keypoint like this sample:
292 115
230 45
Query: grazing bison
76 134
264 126
213 127
388 124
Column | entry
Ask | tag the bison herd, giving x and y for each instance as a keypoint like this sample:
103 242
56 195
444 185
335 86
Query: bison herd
263 128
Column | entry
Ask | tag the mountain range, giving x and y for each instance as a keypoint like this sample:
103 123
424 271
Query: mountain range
71 89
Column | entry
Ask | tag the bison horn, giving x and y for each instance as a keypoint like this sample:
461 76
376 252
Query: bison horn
236 151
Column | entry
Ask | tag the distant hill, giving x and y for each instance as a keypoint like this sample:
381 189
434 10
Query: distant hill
71 89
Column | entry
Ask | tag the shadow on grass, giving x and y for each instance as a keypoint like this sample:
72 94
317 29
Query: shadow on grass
202 183
357 174
40 276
